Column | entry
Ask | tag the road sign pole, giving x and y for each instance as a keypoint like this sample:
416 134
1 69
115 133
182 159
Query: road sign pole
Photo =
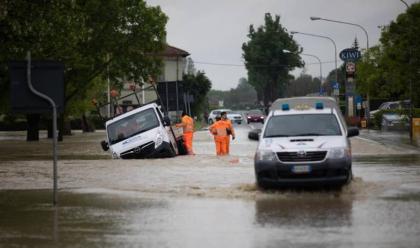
54 119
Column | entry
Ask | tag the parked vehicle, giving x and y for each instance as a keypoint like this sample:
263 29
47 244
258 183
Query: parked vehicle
304 141
234 117
394 121
395 105
255 115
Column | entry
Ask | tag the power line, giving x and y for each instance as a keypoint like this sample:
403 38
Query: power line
256 65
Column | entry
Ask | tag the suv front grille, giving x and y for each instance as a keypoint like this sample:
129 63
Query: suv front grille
312 156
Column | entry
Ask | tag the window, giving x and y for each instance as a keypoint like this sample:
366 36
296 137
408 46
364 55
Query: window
302 125
132 125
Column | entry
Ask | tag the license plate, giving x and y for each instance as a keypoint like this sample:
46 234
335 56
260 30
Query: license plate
301 169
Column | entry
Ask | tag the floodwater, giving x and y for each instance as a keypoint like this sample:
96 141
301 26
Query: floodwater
197 201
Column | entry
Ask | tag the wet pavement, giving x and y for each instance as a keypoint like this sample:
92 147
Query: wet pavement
201 200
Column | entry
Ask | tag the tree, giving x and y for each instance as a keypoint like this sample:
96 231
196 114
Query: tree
372 78
386 70
190 67
241 97
197 85
302 86
402 53
266 60
87 36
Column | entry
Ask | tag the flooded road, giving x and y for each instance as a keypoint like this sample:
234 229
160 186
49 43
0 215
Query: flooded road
200 201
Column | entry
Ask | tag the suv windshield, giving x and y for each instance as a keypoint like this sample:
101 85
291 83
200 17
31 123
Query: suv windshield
302 125
132 125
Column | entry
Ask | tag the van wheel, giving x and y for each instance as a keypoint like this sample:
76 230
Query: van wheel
181 147
172 152
349 177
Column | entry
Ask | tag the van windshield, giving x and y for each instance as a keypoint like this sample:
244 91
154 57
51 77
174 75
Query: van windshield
302 125
132 125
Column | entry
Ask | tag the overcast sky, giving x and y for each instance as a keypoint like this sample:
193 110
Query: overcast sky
213 31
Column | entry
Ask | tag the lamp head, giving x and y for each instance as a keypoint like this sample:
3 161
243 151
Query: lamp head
314 18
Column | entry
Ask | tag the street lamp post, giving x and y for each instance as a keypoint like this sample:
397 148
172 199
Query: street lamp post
320 68
314 18
325 37
319 61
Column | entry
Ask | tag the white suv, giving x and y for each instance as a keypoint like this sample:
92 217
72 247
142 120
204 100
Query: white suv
232 116
304 141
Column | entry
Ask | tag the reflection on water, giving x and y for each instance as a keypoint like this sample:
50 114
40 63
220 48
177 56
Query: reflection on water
305 210
27 218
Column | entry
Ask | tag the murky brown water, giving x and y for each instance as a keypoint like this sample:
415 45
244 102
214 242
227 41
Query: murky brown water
199 201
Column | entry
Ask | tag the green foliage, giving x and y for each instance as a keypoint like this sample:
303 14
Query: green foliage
266 60
386 70
302 86
198 85
87 36
242 97
78 106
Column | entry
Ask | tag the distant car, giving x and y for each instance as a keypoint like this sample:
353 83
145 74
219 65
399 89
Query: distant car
255 115
390 120
390 106
232 116
393 121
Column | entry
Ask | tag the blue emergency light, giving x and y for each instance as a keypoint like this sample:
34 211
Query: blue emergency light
319 105
285 107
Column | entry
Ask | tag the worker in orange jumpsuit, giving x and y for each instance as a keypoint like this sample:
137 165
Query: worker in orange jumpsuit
187 124
222 130
213 131
231 131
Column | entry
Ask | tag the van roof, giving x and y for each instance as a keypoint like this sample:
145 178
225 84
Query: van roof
328 102
305 111
296 102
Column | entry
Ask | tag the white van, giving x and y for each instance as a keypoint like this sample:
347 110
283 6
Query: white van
304 141
141 133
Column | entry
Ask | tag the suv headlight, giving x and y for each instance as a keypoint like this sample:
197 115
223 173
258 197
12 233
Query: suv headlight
159 140
266 155
339 153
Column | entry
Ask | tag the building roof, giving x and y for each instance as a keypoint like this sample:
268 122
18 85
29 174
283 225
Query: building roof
171 51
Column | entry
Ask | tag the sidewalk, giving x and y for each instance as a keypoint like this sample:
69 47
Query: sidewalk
373 142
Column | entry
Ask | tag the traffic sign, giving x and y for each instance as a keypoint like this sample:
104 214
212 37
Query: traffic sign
336 85
350 54
350 67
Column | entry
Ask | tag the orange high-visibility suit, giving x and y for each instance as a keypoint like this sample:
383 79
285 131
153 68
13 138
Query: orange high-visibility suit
230 126
187 124
221 137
